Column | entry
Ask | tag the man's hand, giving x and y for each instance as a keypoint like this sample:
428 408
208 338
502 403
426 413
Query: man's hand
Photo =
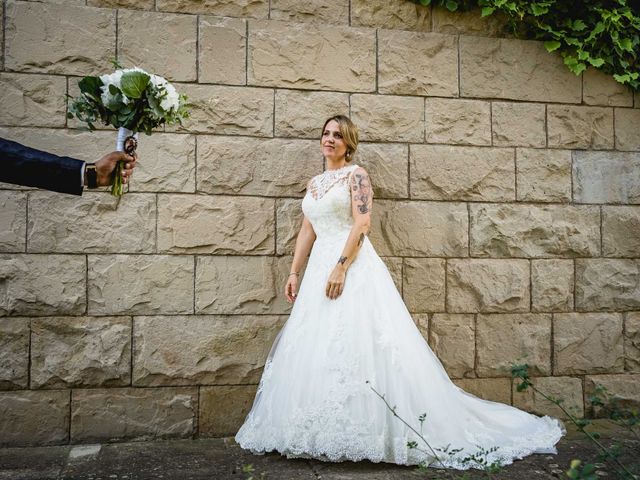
106 165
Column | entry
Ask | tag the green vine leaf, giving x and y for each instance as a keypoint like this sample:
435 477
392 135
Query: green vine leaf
551 45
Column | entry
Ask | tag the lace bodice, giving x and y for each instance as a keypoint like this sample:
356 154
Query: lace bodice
327 203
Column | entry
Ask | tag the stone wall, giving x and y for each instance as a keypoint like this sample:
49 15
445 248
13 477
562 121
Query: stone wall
507 208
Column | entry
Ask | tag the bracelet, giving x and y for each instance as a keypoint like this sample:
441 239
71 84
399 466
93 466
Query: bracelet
294 273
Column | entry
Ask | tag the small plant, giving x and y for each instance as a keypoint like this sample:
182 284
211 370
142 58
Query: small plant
627 416
476 460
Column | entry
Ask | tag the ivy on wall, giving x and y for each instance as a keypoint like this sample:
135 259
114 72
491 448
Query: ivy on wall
598 33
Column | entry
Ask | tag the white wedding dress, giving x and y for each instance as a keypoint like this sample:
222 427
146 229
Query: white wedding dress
313 400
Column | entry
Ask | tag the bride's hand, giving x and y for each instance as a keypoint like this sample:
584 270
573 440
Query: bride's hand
335 285
291 288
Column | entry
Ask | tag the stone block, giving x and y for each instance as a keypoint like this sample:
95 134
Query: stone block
511 230
222 55
216 224
427 229
422 322
453 341
552 285
197 350
388 118
483 285
221 8
394 265
569 389
621 231
288 222
14 353
460 122
235 285
388 168
503 340
309 57
94 222
34 418
314 11
223 409
42 284
140 284
515 69
167 164
543 175
627 125
607 284
443 172
160 43
229 110
32 100
587 343
494 389
606 177
395 14
424 284
600 88
106 415
13 218
60 39
129 4
469 22
251 166
518 124
417 63
580 127
632 342
301 114
80 351
624 387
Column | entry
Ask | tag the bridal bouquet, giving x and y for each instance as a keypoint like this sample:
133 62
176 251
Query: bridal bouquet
132 101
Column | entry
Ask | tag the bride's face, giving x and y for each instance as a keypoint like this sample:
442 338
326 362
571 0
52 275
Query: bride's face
333 145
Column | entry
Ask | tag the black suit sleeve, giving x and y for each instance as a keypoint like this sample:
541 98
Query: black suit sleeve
27 166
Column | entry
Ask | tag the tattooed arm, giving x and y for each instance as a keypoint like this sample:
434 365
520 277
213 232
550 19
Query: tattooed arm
361 203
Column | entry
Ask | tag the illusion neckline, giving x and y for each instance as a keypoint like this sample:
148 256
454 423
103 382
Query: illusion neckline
349 165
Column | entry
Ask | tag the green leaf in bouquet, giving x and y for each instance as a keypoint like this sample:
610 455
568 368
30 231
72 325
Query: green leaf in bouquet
113 90
90 85
133 84
114 102
155 106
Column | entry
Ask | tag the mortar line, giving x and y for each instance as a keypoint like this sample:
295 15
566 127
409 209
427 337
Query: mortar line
377 61
531 285
551 347
26 226
86 284
132 340
246 49
195 266
117 33
273 116
459 61
349 12
29 386
198 48
70 414
546 128
601 233
4 34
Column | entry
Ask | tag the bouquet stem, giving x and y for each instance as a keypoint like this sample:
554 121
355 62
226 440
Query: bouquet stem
127 142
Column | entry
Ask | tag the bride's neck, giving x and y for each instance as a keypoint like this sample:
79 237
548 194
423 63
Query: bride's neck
336 163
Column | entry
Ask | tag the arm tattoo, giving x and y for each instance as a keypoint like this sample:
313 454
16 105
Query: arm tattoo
362 194
342 260
361 239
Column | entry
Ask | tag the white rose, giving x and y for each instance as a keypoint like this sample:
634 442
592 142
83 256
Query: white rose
172 100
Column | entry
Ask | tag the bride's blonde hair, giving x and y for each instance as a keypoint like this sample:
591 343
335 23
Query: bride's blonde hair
349 133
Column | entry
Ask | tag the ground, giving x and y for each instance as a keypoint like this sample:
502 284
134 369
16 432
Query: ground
222 458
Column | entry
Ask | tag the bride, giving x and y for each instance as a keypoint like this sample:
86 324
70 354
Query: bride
349 333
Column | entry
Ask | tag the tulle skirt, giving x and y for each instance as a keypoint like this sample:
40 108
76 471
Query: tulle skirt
316 396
